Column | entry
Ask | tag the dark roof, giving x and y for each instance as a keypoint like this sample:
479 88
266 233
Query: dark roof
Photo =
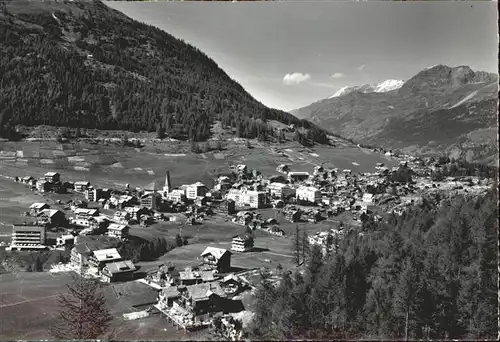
154 186
171 292
81 248
121 267
204 290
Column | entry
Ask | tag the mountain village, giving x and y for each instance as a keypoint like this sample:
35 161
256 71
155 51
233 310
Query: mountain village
189 173
94 219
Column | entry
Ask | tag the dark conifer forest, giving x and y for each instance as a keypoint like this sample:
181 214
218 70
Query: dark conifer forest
428 274
82 64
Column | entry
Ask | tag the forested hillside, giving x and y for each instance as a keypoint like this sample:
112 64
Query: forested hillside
431 273
82 64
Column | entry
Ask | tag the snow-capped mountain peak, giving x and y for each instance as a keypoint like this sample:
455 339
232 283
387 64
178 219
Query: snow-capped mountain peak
388 85
341 91
382 87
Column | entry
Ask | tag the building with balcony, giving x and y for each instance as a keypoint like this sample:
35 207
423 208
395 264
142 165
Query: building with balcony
86 212
216 258
82 186
177 195
280 190
37 208
225 207
243 198
308 194
151 200
53 217
242 243
28 236
98 259
203 298
118 271
52 177
119 231
93 194
195 190
43 186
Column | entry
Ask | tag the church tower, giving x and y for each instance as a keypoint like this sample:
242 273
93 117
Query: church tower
168 185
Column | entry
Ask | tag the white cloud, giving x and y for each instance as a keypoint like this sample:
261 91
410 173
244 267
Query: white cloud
295 78
337 75
361 67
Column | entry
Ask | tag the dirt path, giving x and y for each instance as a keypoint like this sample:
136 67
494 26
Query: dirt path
284 255
26 301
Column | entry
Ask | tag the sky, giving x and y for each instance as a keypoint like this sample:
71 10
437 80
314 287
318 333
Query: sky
290 54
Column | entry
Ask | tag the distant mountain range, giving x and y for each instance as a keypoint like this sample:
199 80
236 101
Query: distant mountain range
442 109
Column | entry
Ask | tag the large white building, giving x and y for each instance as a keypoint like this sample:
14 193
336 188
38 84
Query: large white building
280 190
176 195
28 236
196 190
367 197
118 230
309 194
242 243
243 198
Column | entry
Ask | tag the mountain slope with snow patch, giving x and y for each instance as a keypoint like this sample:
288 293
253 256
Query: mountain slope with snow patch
385 86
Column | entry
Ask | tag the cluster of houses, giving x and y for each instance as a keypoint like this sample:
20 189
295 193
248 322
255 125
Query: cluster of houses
299 195
194 296
327 240
199 295
95 258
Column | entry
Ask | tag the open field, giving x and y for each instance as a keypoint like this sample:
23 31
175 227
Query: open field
270 251
30 297
15 199
218 233
114 166
29 300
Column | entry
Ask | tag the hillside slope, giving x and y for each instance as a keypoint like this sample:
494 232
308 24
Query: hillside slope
82 64
439 109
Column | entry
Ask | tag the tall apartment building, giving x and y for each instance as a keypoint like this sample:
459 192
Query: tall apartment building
151 200
195 190
28 236
309 194
242 198
280 190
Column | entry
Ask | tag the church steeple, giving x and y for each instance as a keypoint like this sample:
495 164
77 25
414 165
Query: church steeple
168 185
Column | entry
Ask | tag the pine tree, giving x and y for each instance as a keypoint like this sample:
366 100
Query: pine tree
178 240
296 245
160 132
83 312
305 246
194 147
